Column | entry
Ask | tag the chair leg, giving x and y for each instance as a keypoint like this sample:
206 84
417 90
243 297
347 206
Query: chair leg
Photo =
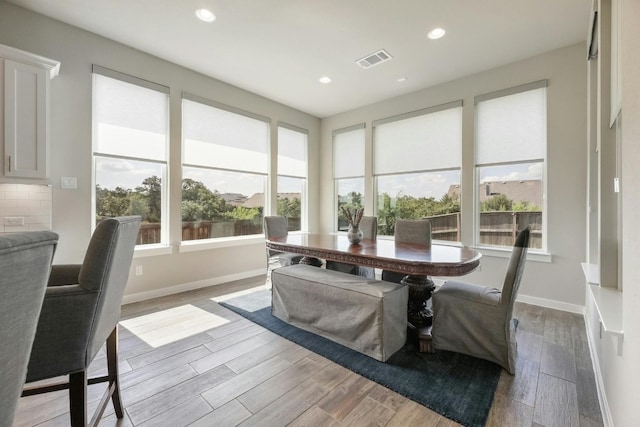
78 398
113 373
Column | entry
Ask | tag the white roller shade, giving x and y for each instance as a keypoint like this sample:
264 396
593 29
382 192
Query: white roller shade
217 138
292 152
511 128
424 142
348 153
130 120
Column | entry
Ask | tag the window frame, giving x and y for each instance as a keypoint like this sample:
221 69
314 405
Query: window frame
337 179
150 249
226 240
457 104
540 84
304 221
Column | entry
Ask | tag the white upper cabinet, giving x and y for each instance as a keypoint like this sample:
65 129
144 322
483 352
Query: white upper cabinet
24 91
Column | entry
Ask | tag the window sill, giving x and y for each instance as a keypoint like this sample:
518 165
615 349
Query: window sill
143 251
591 273
532 255
222 242
608 302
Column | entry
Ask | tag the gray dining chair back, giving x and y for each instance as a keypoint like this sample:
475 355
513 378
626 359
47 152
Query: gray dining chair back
413 231
417 231
478 320
369 227
80 313
276 226
25 263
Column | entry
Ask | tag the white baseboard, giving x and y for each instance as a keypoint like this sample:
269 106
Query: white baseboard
549 303
142 296
607 420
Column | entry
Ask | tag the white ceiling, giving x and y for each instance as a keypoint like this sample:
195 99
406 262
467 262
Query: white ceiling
279 48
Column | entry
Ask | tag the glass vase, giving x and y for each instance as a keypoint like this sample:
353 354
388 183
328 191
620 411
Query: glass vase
354 234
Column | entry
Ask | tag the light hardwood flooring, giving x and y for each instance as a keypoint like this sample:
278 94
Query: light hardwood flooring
185 360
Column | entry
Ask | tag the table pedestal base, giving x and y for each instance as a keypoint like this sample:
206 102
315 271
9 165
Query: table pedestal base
420 289
425 340
419 316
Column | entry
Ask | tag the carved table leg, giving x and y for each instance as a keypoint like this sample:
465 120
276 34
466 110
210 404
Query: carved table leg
425 340
419 316
420 289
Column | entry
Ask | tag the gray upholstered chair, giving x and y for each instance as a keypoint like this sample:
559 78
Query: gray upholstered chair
80 313
416 231
369 227
276 226
25 263
478 320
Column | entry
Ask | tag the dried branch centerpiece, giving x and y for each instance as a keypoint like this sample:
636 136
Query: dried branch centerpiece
354 234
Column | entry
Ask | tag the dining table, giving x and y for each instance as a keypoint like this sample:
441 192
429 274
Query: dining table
417 261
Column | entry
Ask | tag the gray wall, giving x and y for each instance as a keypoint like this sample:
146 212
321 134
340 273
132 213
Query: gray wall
559 283
616 359
70 136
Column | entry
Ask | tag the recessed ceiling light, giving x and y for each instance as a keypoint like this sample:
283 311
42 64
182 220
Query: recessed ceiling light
401 79
324 80
436 33
205 15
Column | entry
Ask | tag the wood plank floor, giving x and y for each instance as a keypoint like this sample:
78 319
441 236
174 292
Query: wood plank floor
187 361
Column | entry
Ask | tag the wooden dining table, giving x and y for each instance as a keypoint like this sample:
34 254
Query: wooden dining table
417 261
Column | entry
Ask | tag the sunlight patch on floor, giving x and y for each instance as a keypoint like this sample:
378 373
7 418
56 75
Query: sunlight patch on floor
226 297
173 324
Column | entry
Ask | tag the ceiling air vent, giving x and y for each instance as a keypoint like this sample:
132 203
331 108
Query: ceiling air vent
374 59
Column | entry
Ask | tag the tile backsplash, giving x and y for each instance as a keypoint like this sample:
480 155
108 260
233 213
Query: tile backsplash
24 207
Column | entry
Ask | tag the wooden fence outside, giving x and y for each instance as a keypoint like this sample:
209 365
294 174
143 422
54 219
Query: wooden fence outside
496 228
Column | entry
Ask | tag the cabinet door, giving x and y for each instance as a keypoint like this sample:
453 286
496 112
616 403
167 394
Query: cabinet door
25 125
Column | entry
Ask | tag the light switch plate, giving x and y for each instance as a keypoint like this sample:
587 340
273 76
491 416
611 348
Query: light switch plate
69 182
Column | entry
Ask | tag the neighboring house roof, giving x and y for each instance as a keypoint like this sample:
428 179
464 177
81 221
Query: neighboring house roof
257 199
235 199
529 190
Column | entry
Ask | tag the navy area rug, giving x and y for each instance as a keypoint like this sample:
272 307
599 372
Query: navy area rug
456 386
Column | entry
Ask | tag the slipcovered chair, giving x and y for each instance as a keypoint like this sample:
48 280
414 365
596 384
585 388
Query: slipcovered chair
81 311
276 226
25 263
369 227
478 320
417 231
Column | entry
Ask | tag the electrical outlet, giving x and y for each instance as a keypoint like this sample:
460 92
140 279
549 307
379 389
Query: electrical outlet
138 270
14 220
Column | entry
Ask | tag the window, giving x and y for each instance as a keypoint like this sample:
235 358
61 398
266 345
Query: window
511 139
292 174
417 162
348 171
130 140
224 170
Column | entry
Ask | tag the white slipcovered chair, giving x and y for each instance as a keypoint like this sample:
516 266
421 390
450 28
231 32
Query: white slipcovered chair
478 320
